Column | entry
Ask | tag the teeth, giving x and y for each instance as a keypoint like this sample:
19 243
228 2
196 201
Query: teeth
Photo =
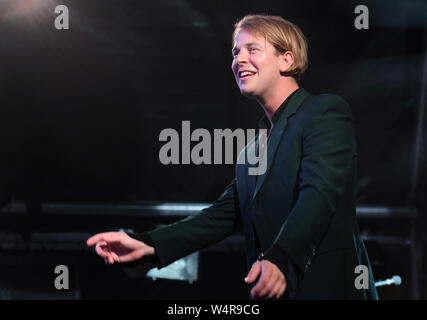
246 73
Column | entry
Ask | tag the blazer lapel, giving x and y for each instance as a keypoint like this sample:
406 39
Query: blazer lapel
277 133
246 182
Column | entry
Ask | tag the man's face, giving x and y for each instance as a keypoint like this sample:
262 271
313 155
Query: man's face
256 67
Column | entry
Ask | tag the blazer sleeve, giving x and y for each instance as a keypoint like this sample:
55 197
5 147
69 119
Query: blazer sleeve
328 145
196 232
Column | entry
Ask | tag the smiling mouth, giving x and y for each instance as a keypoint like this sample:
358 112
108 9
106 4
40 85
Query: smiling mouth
246 74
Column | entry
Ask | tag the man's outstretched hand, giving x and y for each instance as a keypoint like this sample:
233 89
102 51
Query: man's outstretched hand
271 283
119 247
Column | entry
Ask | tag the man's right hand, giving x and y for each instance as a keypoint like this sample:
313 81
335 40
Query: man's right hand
119 247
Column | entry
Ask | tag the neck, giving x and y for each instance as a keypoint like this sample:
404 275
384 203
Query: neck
273 101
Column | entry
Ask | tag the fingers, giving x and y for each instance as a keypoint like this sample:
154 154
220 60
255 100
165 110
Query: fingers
105 251
101 249
105 236
277 291
259 289
109 256
253 273
266 283
118 247
94 239
104 242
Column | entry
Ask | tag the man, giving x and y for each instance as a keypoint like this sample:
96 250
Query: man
299 216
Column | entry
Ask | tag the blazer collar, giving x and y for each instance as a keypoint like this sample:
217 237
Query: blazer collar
295 102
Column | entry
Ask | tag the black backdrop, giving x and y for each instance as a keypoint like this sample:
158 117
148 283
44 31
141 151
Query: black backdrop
81 110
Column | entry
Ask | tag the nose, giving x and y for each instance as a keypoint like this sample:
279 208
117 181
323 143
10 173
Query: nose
241 57
239 60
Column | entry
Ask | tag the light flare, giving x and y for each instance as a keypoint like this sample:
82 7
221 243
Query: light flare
26 9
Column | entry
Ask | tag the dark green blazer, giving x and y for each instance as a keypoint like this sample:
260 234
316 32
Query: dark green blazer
304 202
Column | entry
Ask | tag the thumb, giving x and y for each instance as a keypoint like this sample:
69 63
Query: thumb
253 273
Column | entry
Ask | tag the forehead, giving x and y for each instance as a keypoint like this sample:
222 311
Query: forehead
243 37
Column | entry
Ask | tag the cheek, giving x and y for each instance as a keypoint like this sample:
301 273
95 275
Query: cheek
234 66
257 60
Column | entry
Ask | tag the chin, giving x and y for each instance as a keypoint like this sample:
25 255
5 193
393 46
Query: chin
246 92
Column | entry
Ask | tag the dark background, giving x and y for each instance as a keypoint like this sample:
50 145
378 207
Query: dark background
81 110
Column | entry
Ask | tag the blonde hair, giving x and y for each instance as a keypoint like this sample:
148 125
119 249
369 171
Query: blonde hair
282 34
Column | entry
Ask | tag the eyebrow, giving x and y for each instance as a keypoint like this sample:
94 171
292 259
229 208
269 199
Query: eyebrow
246 45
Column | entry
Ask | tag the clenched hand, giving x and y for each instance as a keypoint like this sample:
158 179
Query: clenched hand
271 283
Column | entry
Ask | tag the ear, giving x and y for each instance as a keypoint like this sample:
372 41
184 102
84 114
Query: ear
286 61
